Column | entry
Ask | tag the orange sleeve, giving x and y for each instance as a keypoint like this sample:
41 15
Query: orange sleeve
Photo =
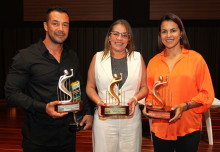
205 88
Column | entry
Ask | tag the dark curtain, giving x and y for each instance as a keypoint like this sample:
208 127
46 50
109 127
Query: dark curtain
86 38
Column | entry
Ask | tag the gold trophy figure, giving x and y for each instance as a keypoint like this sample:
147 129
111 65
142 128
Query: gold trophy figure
158 109
114 107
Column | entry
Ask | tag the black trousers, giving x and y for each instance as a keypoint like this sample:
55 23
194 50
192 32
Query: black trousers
30 147
187 143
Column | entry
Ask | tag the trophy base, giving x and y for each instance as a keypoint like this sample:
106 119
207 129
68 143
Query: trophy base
166 113
114 111
75 127
69 107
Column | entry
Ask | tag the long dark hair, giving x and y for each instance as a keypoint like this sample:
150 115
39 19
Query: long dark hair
183 40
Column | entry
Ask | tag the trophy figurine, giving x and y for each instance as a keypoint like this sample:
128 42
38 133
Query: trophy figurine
115 107
159 108
70 96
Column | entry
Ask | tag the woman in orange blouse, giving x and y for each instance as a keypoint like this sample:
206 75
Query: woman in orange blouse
189 90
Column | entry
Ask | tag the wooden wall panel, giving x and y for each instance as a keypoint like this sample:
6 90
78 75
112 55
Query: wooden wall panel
186 9
79 10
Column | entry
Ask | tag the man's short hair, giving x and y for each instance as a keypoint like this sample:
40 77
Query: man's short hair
55 8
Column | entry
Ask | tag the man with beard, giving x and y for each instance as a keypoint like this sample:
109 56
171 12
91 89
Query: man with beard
32 85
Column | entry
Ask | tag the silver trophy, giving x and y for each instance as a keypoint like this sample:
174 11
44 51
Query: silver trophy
70 96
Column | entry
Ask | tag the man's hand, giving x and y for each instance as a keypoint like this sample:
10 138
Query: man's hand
87 120
50 110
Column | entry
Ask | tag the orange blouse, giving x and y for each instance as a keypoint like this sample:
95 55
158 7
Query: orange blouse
189 80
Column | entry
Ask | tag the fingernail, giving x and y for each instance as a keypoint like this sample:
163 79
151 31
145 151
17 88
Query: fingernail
104 104
128 103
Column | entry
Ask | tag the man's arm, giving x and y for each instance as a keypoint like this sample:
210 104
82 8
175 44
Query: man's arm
15 85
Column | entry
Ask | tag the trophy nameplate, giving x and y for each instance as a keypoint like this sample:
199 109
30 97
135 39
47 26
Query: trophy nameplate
69 107
115 107
115 110
165 113
160 109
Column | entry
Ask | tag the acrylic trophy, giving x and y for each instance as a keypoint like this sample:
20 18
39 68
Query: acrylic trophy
70 96
115 106
161 101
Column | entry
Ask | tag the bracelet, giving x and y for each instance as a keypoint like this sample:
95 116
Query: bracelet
187 105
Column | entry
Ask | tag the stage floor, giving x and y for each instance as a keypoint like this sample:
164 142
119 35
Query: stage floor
11 121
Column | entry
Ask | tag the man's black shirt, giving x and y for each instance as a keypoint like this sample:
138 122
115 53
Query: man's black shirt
32 83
